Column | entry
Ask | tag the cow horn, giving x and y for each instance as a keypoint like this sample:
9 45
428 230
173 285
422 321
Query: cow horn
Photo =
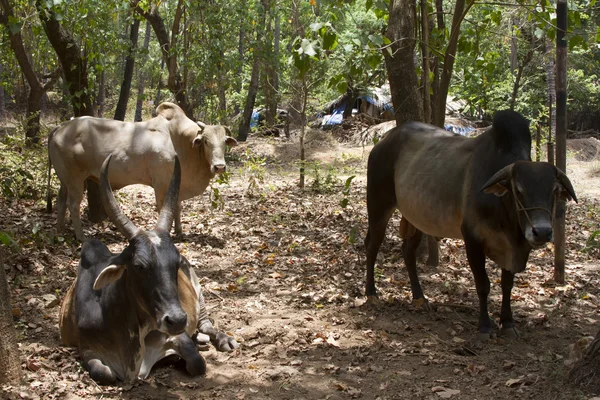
202 125
165 220
124 225
497 183
566 184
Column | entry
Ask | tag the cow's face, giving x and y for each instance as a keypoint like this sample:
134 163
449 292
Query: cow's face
150 262
535 187
212 141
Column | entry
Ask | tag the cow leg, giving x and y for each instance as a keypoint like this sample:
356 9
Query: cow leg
61 207
476 258
186 348
378 220
178 230
433 259
409 249
74 197
506 319
99 372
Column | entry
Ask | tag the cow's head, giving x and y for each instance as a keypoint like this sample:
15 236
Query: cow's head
150 262
212 141
535 187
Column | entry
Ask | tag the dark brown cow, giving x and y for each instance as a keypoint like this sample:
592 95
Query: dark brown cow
128 310
485 191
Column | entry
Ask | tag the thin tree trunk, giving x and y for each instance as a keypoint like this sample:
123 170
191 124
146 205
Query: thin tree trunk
520 68
2 99
561 136
101 95
139 104
460 11
10 365
425 54
441 26
250 99
550 82
302 133
538 143
400 64
121 109
244 128
295 103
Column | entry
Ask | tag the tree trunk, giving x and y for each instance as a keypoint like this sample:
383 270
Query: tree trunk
585 372
296 102
520 68
254 79
100 100
270 66
425 54
10 365
69 54
303 132
121 109
561 136
460 11
36 89
538 143
175 84
400 64
250 99
2 100
550 82
139 104
441 26
221 94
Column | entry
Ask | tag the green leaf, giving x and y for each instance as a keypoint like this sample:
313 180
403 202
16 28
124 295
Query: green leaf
368 5
330 41
539 33
14 25
342 86
315 26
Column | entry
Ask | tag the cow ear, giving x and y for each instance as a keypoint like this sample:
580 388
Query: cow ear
168 110
197 141
110 274
231 142
566 185
499 183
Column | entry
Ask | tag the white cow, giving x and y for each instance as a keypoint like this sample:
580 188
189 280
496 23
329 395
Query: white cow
143 152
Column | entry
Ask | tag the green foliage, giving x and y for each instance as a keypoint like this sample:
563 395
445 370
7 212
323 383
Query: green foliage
593 242
346 191
23 171
320 183
216 199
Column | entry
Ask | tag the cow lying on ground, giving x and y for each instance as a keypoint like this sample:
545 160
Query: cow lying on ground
485 191
143 153
126 311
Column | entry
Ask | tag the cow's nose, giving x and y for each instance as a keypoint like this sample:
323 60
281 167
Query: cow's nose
220 168
175 322
542 234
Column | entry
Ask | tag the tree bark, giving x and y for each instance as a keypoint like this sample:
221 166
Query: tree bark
69 54
121 109
10 365
296 102
561 136
441 26
244 128
520 68
142 76
100 100
551 84
174 82
460 11
2 101
406 97
425 62
270 66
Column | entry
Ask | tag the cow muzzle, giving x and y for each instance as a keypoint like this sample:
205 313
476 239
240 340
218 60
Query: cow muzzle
219 168
173 322
539 234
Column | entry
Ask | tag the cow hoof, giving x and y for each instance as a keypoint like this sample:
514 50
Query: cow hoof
196 367
510 332
101 373
224 342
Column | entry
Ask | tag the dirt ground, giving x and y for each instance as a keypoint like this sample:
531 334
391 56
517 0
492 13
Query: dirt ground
283 270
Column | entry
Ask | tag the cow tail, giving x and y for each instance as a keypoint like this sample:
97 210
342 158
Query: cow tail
48 193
